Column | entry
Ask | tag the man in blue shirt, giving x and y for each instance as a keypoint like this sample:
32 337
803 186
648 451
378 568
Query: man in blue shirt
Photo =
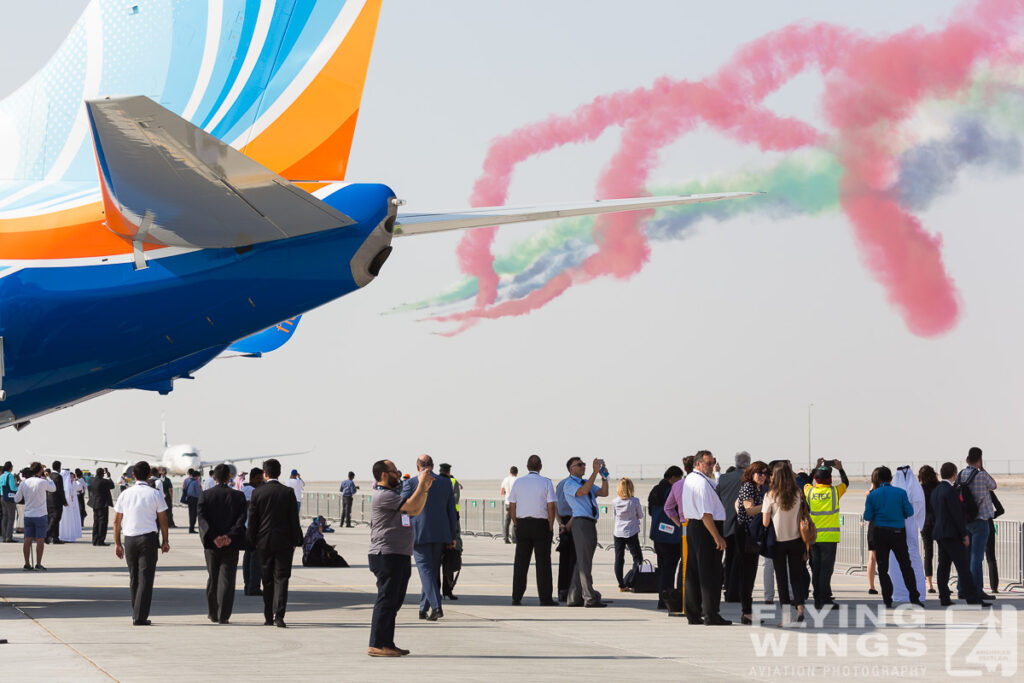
581 496
8 508
888 507
348 492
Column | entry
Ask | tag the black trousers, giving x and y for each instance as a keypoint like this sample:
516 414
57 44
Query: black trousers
566 560
823 563
633 543
731 569
346 511
510 530
53 524
277 569
251 571
746 558
392 572
791 570
221 568
533 537
193 512
953 551
170 512
929 550
990 558
140 552
703 571
668 555
99 524
886 539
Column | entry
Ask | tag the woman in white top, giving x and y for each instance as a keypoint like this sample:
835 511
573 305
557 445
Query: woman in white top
627 513
782 507
70 529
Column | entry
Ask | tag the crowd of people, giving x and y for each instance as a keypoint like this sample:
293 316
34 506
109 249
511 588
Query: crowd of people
755 514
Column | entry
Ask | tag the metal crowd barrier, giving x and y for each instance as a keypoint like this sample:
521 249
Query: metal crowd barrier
485 517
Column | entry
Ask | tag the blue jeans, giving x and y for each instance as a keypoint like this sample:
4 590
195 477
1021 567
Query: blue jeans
428 563
978 529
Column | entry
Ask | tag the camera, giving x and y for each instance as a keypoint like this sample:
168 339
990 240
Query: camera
829 464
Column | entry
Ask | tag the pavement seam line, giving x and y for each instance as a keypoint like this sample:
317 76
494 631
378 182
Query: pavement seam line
58 638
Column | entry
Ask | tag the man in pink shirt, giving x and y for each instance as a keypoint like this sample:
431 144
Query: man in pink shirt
674 502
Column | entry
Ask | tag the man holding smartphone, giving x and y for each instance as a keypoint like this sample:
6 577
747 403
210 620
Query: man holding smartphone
581 494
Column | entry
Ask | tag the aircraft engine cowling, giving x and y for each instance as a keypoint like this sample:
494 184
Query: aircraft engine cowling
369 204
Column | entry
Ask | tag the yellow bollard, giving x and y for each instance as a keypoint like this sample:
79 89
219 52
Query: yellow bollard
682 588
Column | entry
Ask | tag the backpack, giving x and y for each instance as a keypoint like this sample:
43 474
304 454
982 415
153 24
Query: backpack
967 501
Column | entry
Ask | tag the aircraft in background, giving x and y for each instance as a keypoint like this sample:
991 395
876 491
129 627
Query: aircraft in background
180 458
146 235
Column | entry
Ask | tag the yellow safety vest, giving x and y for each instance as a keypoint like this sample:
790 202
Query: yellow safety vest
824 504
455 490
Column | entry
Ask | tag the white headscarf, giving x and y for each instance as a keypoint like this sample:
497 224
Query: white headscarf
69 490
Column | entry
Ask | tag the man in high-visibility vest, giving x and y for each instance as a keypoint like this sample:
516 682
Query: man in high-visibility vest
823 500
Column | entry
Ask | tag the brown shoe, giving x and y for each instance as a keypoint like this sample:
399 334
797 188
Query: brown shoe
382 652
401 651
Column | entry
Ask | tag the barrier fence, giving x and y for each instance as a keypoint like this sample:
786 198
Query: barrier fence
853 468
485 517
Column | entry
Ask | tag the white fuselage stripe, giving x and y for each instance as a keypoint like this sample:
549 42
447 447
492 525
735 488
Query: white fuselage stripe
214 19
259 39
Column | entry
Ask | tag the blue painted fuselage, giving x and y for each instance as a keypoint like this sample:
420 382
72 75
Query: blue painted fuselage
75 331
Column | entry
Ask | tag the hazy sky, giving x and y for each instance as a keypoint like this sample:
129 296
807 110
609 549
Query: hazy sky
721 342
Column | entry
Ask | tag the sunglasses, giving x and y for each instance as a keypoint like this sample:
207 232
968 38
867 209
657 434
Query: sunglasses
762 472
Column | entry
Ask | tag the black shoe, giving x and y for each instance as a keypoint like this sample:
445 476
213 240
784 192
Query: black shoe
40 568
574 604
888 605
747 621
193 531
211 618
49 541
280 623
268 622
222 621
423 614
27 568
435 614
548 603
596 603
450 597
563 597
918 603
661 605
946 603
717 620
517 603
694 622
142 622
872 591
57 541
932 590
986 596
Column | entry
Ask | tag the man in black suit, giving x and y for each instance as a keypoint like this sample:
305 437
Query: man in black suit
222 514
55 504
728 489
274 531
168 489
100 500
953 538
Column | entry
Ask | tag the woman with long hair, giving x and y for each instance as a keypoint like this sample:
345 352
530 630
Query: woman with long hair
929 480
628 514
782 507
748 506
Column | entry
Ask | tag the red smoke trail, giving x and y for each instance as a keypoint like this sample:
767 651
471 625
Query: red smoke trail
871 86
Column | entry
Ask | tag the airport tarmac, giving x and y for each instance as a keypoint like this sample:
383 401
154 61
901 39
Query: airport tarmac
72 623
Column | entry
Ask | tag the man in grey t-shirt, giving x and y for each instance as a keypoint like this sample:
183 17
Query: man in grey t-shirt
390 553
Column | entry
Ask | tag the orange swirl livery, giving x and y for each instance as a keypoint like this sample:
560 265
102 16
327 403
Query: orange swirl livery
184 194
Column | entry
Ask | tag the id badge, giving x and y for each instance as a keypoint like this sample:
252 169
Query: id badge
666 528
405 520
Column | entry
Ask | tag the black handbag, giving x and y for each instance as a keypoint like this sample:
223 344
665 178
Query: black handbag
643 581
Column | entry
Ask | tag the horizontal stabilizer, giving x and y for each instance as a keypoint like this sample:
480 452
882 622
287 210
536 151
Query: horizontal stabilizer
265 341
166 181
419 223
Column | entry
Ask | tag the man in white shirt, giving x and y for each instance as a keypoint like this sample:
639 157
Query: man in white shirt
705 518
32 492
532 509
209 482
506 489
296 484
139 510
